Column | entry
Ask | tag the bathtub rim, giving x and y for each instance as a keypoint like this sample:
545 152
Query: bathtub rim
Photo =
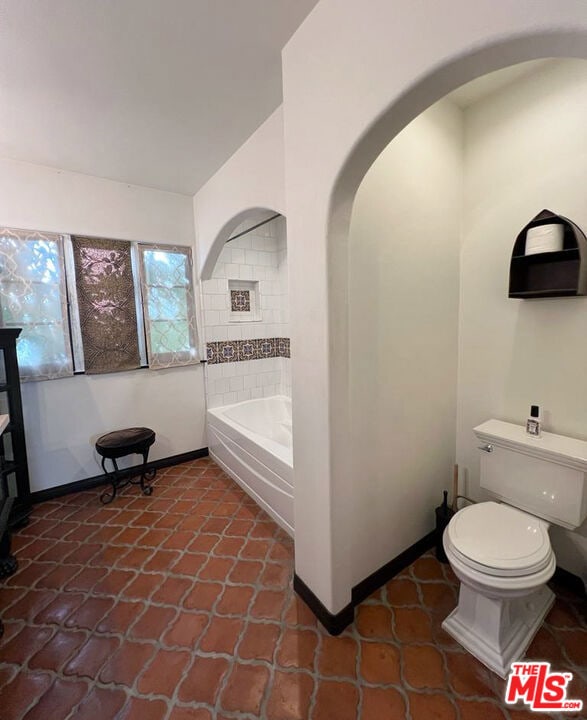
280 452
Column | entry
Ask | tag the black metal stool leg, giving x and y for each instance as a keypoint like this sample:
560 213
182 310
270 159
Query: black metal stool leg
146 474
120 444
107 497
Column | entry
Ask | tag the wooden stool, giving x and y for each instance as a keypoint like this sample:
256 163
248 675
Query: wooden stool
120 443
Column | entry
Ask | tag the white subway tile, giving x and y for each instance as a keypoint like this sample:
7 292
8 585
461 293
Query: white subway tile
229 398
238 256
265 379
229 369
218 302
251 257
243 242
232 271
236 384
248 331
244 367
243 395
216 333
256 393
214 286
246 272
211 317
213 372
221 386
215 401
258 242
249 381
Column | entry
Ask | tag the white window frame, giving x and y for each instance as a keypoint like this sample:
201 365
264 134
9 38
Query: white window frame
159 361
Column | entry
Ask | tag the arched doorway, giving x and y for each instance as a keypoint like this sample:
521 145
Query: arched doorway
365 151
238 223
248 374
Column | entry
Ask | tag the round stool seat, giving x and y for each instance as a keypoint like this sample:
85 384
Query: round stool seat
124 442
118 444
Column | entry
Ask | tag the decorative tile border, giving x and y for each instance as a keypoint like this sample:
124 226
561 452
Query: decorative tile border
240 350
240 301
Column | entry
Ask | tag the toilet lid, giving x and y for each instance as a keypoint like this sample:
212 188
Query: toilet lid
500 537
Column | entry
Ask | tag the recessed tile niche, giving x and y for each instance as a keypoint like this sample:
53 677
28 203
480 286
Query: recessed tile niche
244 300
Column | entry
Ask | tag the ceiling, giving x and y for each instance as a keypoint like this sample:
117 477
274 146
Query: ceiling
148 92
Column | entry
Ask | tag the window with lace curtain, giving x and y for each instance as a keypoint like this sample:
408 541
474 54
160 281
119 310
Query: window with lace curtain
135 301
34 298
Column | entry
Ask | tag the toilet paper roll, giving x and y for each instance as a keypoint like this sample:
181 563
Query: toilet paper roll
544 238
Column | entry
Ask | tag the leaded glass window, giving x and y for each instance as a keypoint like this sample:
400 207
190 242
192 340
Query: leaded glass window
168 305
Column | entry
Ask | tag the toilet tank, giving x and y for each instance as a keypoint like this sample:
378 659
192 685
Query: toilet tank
545 476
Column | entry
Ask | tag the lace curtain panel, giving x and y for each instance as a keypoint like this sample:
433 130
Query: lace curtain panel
168 298
33 297
106 301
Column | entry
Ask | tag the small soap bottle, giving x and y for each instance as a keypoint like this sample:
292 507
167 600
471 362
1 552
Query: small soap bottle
534 422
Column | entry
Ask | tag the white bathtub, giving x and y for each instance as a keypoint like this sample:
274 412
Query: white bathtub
252 442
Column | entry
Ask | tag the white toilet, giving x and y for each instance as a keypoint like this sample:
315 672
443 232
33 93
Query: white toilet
501 551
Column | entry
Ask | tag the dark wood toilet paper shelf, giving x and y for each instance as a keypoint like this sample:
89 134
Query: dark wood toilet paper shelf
561 273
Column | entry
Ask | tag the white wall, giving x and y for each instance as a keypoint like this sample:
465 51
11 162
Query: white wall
403 322
251 178
260 256
61 416
346 94
526 149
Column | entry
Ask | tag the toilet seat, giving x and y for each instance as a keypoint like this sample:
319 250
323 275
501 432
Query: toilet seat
499 540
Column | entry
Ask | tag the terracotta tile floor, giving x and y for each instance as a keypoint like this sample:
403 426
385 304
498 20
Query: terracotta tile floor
180 606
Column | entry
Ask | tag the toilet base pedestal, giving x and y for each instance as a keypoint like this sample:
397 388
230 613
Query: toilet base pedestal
497 631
